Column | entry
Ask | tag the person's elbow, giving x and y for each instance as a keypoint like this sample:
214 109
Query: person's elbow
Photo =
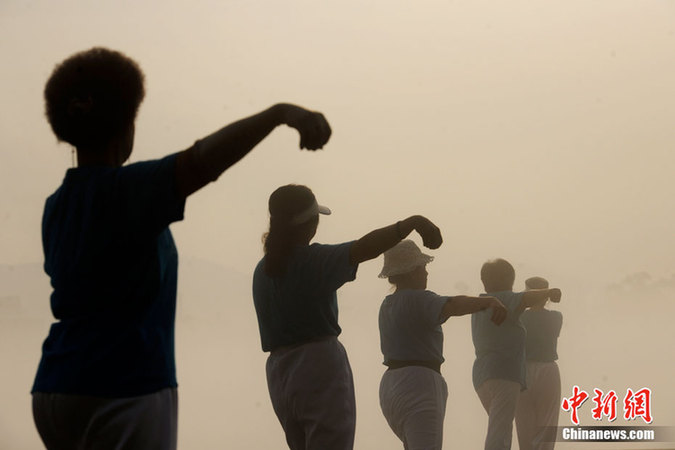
359 252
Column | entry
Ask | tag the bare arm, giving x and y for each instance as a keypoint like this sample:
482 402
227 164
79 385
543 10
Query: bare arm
378 241
536 296
214 154
462 304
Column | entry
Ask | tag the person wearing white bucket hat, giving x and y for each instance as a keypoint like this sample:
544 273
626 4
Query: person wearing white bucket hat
413 393
294 291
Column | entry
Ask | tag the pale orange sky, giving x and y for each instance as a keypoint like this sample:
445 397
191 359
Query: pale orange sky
541 132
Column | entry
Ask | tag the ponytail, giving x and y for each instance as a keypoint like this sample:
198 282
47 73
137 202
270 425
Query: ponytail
280 240
285 233
278 243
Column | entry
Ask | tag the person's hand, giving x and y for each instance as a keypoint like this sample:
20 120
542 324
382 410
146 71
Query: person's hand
554 295
430 233
499 311
312 126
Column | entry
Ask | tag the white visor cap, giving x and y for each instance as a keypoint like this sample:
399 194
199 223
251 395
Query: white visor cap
307 214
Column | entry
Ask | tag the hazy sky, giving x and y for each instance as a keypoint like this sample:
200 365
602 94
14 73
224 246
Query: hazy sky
537 131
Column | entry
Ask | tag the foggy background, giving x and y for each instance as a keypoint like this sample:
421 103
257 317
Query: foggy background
540 132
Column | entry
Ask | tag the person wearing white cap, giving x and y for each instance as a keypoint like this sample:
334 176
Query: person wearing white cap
294 291
413 392
539 405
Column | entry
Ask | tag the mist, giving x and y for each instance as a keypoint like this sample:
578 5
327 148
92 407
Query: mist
537 132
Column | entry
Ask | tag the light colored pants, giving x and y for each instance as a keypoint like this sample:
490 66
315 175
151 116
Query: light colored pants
538 407
312 392
413 402
77 422
499 398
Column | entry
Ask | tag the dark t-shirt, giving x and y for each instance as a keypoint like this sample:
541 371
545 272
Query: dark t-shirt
301 304
543 328
113 268
500 349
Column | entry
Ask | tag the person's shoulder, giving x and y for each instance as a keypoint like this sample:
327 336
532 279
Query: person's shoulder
75 179
259 270
504 296
556 314
404 303
388 300
419 299
316 252
402 298
394 297
261 282
412 294
150 166
546 312
512 300
53 197
431 295
83 177
318 247
259 265
167 159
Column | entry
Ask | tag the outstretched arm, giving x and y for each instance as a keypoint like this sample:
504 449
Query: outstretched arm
462 304
378 241
214 154
536 296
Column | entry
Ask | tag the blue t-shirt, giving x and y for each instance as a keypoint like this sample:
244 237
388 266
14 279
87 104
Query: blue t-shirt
543 328
113 268
410 326
500 349
301 304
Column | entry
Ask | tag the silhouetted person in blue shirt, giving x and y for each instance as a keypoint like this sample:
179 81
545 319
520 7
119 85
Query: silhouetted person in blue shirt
107 377
413 393
295 295
539 405
499 368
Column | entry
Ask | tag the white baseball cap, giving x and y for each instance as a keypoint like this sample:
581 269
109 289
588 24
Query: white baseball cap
309 212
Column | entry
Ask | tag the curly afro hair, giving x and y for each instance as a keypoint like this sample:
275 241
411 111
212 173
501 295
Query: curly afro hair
93 96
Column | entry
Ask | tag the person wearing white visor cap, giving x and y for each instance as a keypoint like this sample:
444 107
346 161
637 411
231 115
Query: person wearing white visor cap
413 393
294 291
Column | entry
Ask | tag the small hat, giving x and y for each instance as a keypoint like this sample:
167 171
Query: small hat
403 258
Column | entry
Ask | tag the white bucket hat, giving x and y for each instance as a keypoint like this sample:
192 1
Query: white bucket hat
404 257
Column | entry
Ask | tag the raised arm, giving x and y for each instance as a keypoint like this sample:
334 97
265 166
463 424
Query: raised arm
214 154
378 241
536 296
462 304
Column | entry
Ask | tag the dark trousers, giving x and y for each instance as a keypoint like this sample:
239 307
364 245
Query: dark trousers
76 422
